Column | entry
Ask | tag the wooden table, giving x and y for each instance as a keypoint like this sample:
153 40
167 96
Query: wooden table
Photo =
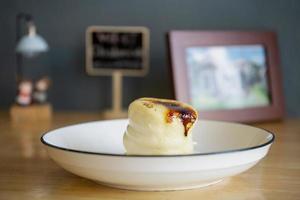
26 172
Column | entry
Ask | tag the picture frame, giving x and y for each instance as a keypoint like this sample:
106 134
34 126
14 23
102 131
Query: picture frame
246 84
122 48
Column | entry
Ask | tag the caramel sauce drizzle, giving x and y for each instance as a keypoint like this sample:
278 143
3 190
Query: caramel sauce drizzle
175 110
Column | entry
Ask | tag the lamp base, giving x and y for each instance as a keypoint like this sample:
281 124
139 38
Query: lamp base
41 112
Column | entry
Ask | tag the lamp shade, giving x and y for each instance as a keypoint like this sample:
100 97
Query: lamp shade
31 45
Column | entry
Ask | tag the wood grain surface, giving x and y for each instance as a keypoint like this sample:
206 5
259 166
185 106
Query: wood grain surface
26 172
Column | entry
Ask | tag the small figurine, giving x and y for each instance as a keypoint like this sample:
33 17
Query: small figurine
40 92
24 97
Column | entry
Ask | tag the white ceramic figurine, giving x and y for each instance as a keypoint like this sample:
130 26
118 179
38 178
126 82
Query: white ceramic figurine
25 91
40 92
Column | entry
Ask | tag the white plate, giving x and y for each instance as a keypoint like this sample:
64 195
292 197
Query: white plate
95 151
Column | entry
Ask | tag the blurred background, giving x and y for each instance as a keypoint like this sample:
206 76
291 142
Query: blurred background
63 24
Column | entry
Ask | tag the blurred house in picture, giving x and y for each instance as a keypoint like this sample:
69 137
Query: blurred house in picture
221 77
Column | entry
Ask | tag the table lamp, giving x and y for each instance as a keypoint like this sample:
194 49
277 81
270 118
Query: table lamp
28 45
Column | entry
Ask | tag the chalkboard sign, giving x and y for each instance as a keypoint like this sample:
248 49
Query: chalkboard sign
124 49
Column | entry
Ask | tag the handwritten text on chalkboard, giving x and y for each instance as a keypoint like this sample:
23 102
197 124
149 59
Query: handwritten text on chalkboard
117 50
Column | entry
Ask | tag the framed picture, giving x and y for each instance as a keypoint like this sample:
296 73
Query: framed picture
117 48
227 75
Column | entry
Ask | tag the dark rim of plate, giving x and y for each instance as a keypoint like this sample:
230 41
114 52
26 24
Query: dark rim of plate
158 156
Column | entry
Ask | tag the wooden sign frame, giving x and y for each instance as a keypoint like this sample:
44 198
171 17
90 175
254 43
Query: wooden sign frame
117 29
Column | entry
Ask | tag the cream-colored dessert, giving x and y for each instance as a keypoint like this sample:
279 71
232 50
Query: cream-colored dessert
159 127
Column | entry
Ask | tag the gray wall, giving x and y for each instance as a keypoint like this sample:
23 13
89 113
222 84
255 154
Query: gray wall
63 24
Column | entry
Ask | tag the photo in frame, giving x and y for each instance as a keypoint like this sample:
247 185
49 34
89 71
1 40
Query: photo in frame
227 75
